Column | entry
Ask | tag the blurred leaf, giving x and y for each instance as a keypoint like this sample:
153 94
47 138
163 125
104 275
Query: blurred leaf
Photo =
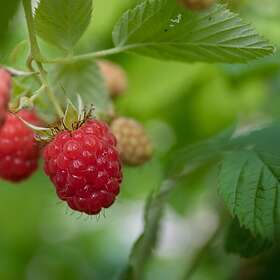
62 22
7 10
265 15
144 179
143 247
263 68
175 81
20 51
190 158
164 30
85 79
240 241
184 161
249 183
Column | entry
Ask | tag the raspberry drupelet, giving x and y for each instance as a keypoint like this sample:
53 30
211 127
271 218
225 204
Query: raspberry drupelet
19 151
85 167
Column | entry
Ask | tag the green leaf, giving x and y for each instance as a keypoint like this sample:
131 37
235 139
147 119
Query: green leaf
162 29
84 79
240 241
71 115
144 245
7 10
249 184
190 158
264 67
264 138
62 22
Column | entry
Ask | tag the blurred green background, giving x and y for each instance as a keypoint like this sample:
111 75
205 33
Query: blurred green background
179 104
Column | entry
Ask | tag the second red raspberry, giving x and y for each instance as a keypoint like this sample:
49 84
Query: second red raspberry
19 152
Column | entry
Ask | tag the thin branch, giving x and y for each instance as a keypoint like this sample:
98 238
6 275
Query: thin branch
201 253
86 56
37 57
43 77
35 50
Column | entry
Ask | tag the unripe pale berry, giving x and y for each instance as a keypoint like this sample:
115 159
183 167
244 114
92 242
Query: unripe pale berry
197 4
114 76
132 141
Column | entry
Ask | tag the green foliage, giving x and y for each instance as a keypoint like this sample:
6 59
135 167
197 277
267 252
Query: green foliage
62 22
182 163
249 183
190 158
84 79
259 68
164 30
144 245
240 241
250 167
7 10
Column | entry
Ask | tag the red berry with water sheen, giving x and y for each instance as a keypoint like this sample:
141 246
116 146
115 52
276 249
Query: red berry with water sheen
5 87
19 151
85 167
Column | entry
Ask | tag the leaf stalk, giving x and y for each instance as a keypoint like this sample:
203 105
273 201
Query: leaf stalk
37 57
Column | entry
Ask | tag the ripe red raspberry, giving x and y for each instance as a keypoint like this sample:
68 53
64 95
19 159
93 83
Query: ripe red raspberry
85 167
2 115
5 86
19 151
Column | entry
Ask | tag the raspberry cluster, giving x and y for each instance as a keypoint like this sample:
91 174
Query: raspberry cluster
82 156
85 167
82 161
19 152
